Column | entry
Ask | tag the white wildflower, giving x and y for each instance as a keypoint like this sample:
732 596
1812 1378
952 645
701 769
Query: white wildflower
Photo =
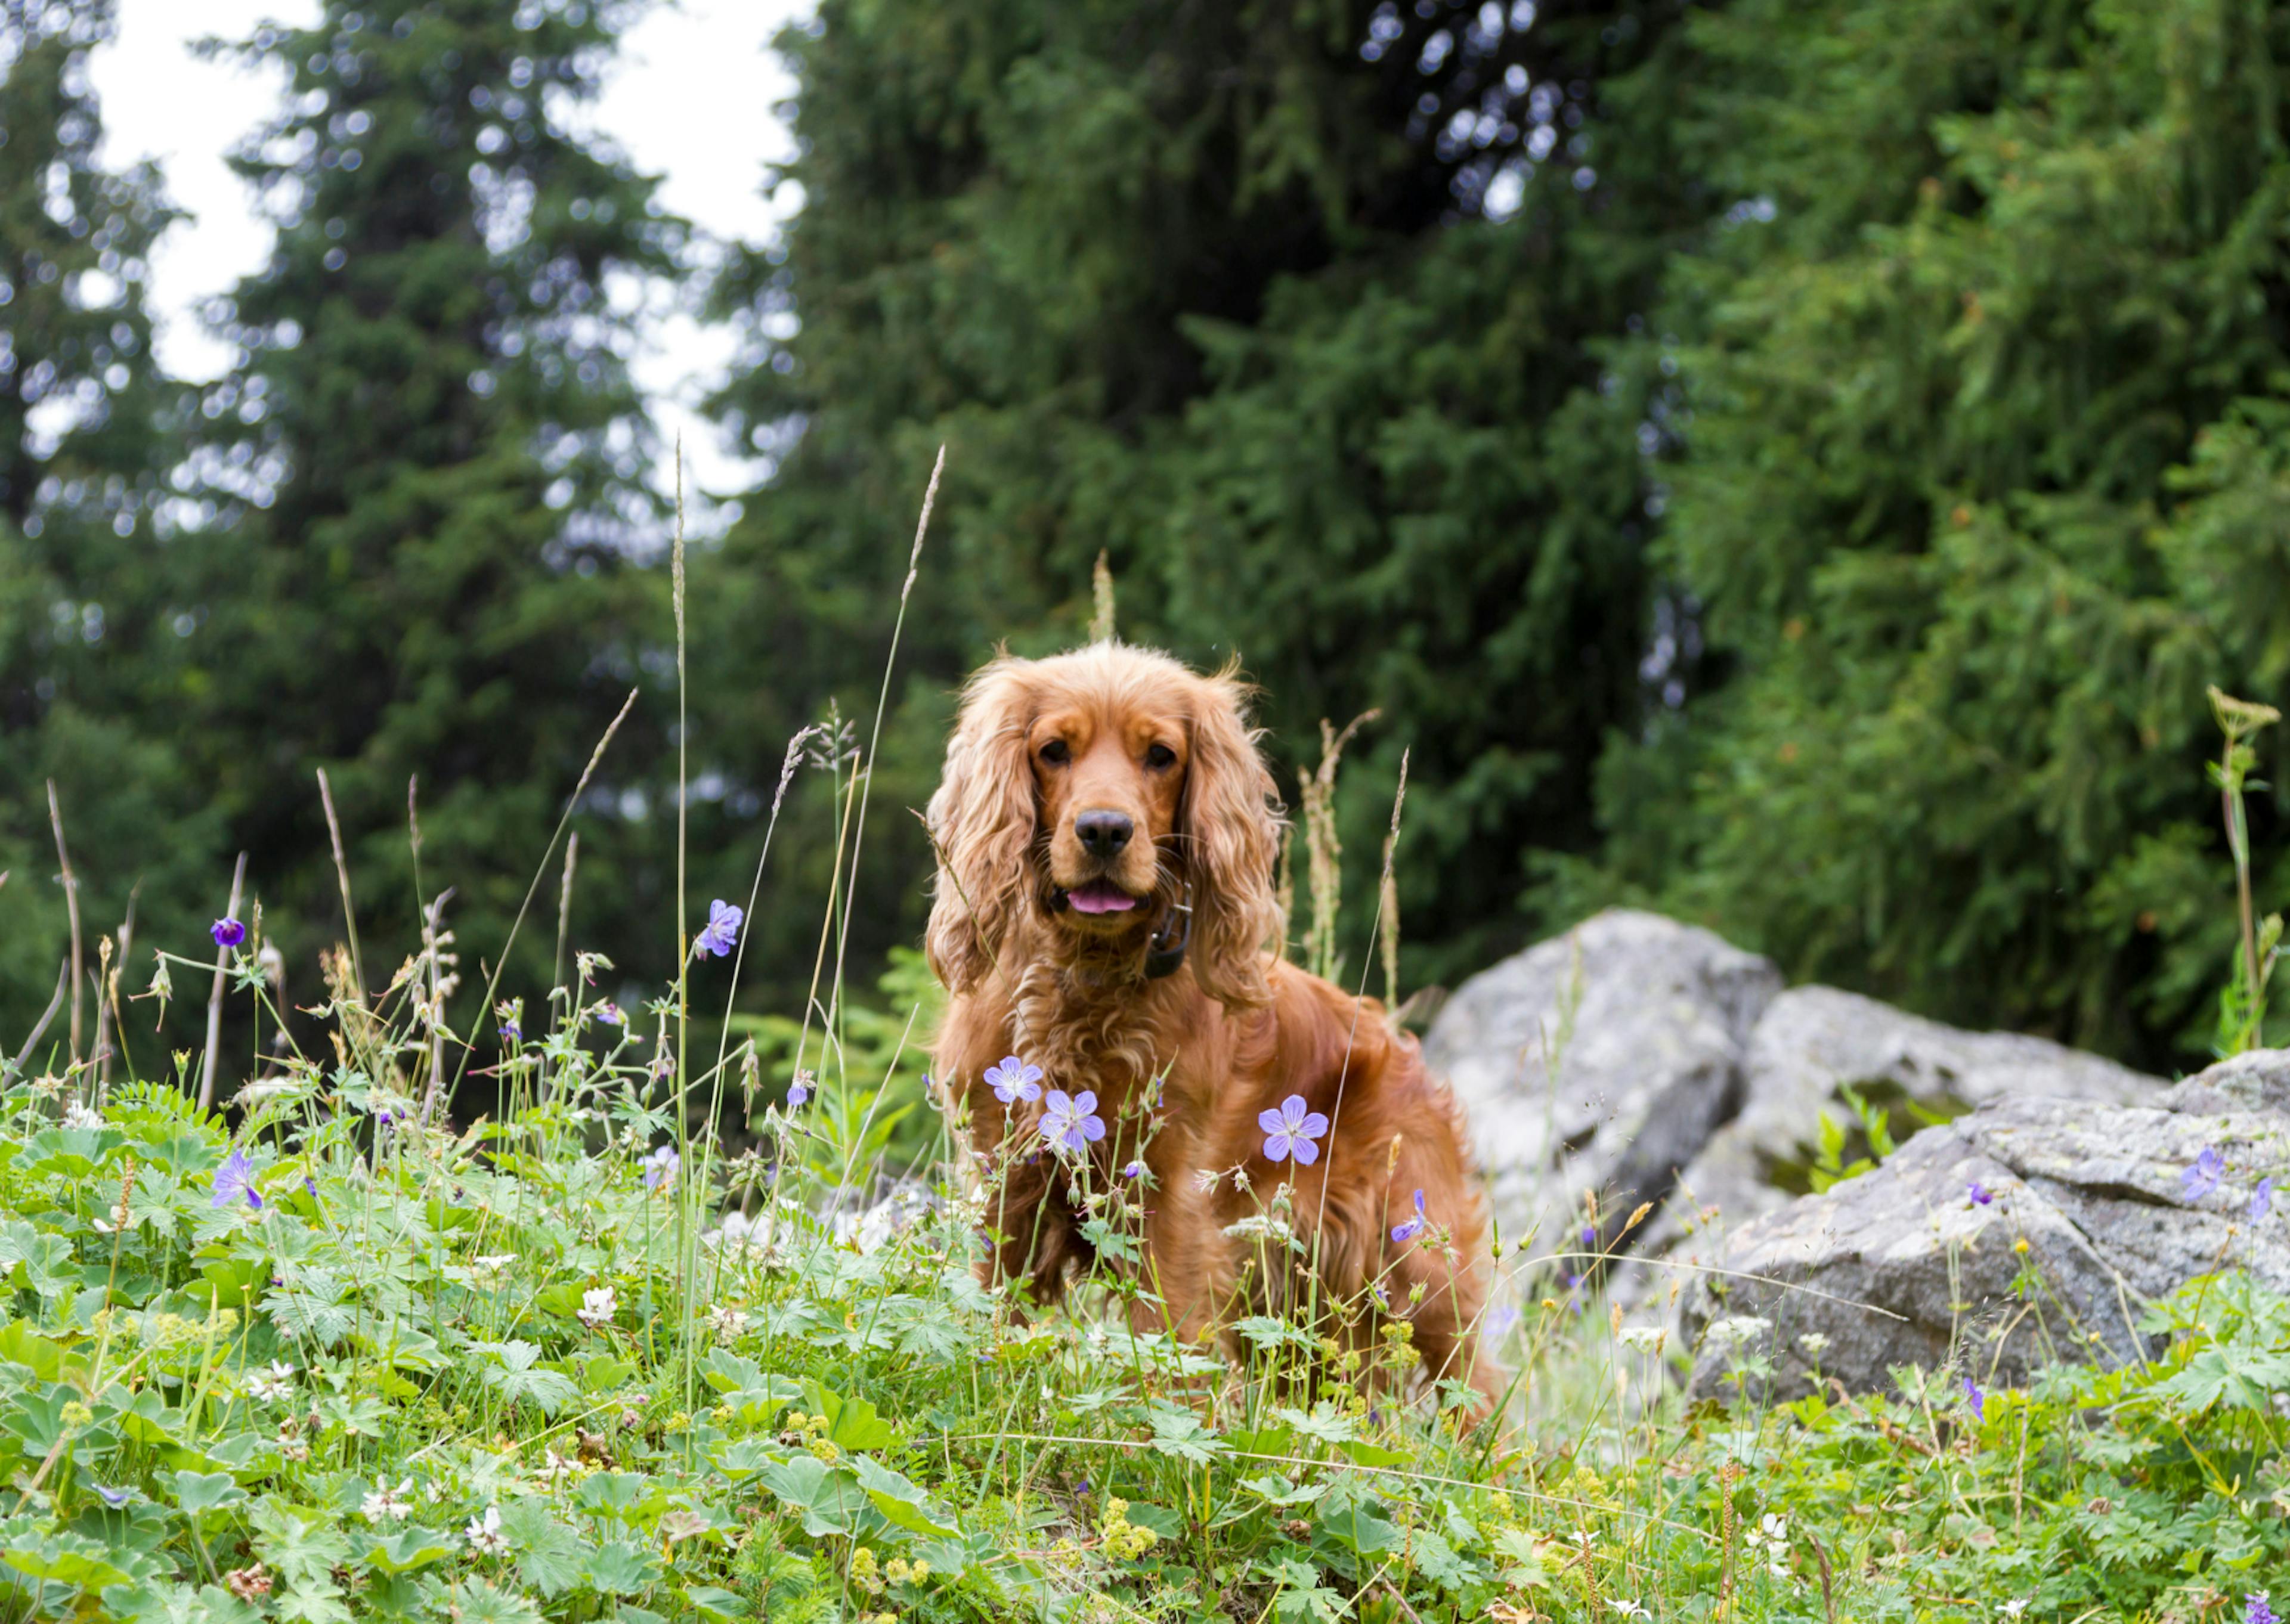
598 1308
388 1502
1261 1227
556 1469
274 1384
1644 1339
488 1266
1771 1536
726 1321
1814 1343
79 1114
485 1533
1738 1328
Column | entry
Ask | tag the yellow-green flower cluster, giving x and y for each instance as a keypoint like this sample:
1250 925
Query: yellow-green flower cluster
1122 1538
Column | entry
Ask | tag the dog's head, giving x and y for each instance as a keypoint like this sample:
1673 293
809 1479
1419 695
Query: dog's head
1090 794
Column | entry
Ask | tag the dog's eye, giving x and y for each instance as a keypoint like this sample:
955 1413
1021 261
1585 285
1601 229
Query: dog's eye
1160 755
1056 753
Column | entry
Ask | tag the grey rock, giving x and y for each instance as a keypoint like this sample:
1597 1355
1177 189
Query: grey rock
1812 1043
1901 1267
1649 1020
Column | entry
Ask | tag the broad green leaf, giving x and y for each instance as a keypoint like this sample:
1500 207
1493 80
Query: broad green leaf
852 1423
410 1548
549 1553
619 1568
899 1500
831 1498
207 1492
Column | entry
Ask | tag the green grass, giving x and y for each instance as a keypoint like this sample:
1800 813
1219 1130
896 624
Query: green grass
443 1373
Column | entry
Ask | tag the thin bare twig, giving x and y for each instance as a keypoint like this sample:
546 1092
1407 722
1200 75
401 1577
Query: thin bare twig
433 928
214 998
71 905
106 1004
572 802
40 1027
342 878
564 906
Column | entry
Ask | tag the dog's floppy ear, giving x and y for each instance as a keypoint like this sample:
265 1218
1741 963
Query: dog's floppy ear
982 821
1232 826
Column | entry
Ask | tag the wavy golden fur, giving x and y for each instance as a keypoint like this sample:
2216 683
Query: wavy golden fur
1089 801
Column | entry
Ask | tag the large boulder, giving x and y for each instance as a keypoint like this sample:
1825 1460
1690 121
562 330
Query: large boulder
1636 1059
1812 1042
2090 1211
1599 1063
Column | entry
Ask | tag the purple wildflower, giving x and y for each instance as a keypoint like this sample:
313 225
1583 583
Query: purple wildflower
799 1090
659 1167
1979 1195
1135 1170
609 1013
511 1033
721 933
1408 1229
1014 1080
227 933
1289 1132
114 1498
1591 1237
234 1181
1500 1321
1977 1399
1067 1123
2257 1609
2262 1199
2202 1177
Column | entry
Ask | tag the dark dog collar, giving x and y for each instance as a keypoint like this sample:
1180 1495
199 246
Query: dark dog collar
1166 950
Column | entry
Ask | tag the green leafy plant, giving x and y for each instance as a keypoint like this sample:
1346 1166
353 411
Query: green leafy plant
1829 1168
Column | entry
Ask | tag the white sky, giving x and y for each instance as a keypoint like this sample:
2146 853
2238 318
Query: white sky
689 100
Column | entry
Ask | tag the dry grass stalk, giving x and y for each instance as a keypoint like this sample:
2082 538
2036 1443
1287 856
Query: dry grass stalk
1323 852
342 879
71 907
214 997
1100 593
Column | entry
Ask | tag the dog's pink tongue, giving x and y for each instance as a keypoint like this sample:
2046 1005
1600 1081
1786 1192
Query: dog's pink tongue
1100 898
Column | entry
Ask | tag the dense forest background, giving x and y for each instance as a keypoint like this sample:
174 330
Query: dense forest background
1793 463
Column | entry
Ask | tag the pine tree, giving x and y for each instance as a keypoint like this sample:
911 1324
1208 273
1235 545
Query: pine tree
431 469
1982 486
1216 289
86 629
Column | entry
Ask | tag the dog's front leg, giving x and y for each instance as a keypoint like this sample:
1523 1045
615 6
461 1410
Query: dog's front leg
1188 1274
1030 1236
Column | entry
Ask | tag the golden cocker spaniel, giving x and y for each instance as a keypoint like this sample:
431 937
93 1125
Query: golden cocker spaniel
1130 1052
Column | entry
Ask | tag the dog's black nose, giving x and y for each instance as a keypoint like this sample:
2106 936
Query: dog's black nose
1103 833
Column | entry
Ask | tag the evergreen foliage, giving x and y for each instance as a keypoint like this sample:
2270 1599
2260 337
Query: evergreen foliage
429 473
87 430
1193 287
1982 486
